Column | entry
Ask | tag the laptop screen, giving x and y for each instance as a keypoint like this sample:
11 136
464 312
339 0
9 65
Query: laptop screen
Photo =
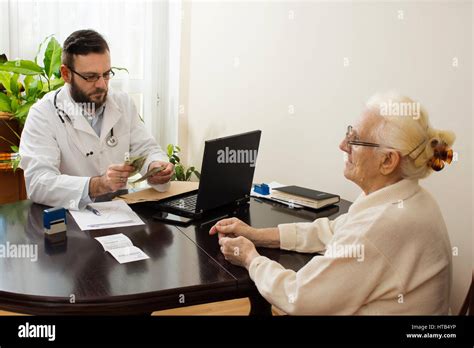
227 170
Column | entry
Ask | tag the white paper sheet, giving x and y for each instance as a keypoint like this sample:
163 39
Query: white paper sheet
113 214
128 254
114 241
121 248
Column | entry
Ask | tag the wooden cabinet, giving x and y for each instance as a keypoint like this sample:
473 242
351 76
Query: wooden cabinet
12 184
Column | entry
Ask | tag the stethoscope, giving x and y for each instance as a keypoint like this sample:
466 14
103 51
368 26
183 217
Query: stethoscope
111 139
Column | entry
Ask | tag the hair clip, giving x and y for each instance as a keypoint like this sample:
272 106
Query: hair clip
441 154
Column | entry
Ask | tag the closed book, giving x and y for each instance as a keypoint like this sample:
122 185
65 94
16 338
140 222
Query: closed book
305 197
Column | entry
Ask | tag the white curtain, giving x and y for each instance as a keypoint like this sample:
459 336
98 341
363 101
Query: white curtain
143 36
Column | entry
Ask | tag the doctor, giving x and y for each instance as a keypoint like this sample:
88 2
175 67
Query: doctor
74 141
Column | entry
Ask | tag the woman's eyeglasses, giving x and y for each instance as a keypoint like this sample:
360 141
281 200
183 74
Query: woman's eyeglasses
351 139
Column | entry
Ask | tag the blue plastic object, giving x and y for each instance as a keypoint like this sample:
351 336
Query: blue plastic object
262 189
53 215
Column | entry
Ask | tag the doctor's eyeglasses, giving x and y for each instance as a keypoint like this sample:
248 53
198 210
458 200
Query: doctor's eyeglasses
95 77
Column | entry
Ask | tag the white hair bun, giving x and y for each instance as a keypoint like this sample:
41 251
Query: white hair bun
405 126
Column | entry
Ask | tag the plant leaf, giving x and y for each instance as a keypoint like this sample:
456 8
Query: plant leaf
179 172
14 85
39 47
24 67
52 58
169 149
33 88
22 112
56 83
27 82
41 94
14 104
5 80
5 103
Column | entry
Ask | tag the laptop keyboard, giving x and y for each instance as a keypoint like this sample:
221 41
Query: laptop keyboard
186 203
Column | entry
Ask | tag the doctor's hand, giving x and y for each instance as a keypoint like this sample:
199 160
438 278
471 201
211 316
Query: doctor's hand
114 179
238 251
163 176
116 176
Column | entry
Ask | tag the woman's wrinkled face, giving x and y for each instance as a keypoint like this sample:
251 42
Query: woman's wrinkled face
362 163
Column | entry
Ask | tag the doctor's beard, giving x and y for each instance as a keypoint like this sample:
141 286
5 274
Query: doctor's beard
82 97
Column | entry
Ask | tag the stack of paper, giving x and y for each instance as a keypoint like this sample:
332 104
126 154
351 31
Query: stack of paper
112 214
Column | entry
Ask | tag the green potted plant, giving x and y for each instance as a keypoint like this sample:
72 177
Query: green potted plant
25 81
22 83
181 173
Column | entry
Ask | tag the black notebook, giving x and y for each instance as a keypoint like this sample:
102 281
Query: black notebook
304 196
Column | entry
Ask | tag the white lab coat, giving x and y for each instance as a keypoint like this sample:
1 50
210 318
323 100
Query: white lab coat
54 154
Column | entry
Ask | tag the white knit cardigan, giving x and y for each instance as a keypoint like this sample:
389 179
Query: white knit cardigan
389 254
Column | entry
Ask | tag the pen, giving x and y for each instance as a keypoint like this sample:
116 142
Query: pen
95 211
289 204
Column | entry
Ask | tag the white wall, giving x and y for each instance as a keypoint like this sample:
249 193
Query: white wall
247 65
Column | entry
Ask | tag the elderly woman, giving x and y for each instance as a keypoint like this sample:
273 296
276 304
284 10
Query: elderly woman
406 263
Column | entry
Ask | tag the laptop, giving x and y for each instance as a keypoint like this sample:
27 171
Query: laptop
227 170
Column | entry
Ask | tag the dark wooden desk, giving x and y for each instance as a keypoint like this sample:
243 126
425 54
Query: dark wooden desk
185 265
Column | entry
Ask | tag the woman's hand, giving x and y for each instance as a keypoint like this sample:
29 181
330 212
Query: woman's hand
238 251
233 227
261 237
